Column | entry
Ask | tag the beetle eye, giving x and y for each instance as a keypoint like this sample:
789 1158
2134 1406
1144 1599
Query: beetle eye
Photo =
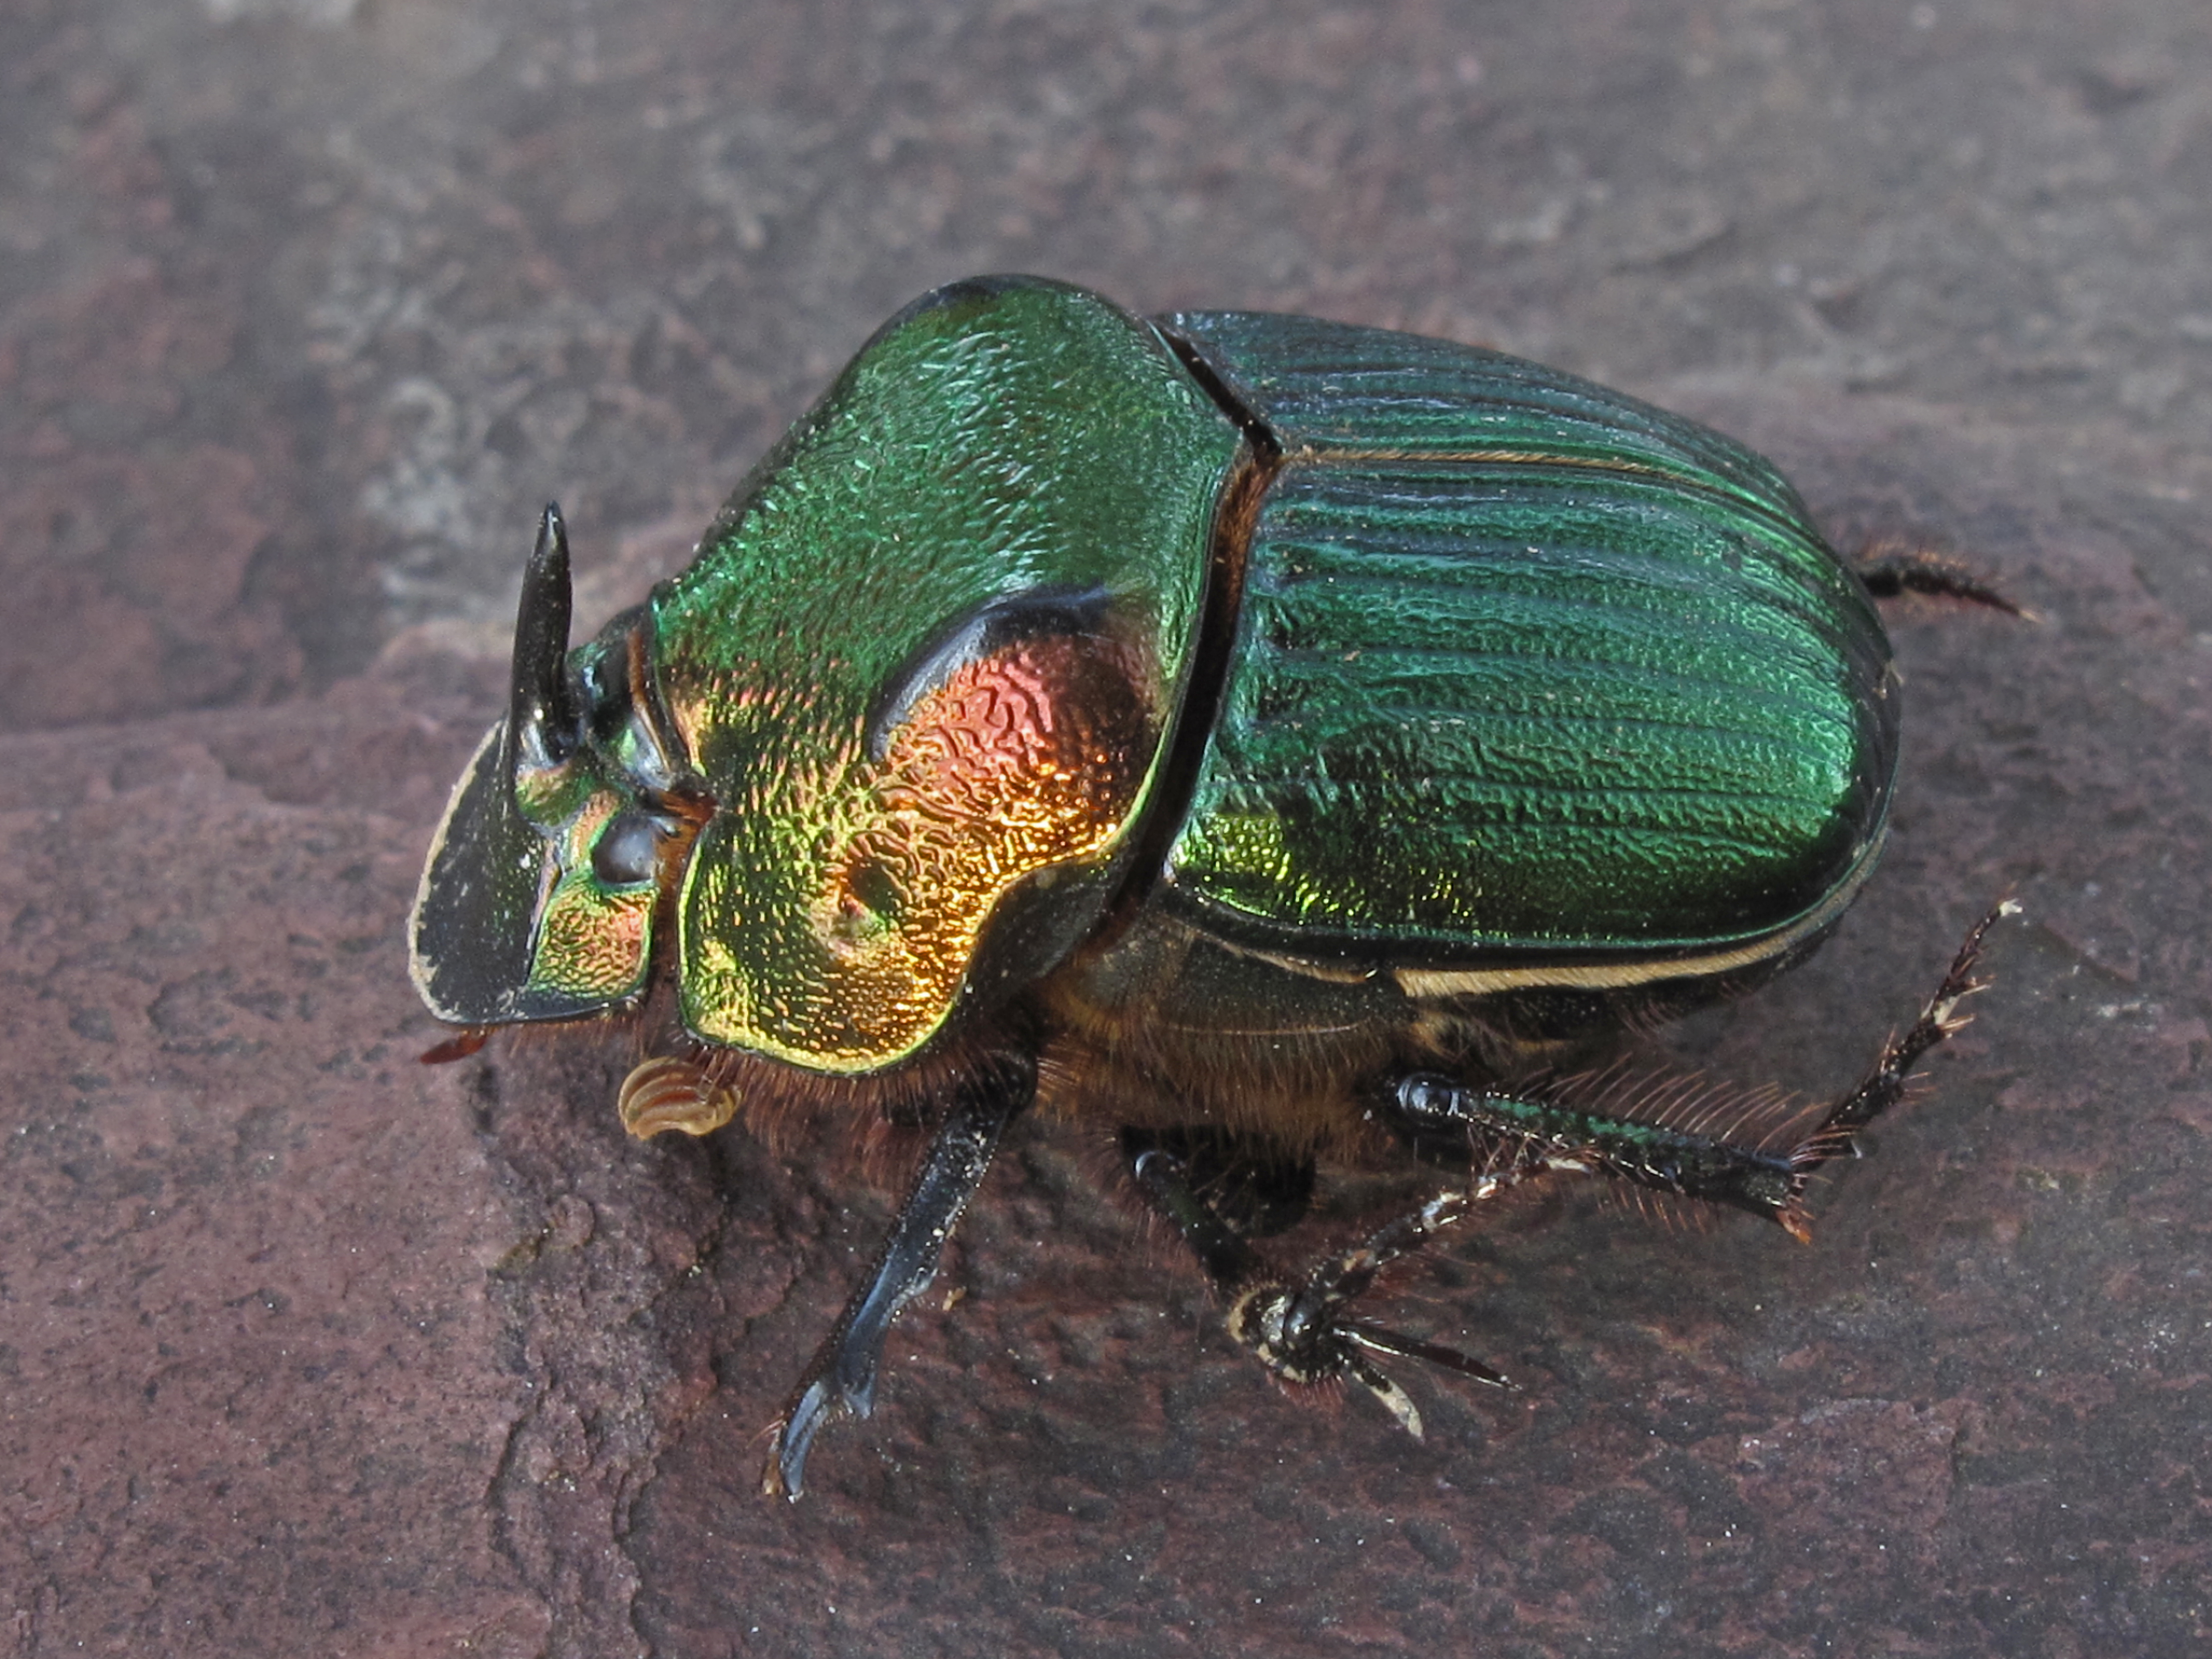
628 850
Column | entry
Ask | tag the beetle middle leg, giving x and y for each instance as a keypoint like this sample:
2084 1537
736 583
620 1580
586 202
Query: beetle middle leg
1300 1329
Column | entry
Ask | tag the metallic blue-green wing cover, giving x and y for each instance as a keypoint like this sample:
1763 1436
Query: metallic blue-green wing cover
1522 665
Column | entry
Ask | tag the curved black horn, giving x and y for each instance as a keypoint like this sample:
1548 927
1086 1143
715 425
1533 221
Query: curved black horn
541 711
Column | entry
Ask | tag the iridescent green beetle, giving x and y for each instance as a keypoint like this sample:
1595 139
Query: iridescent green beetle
1254 732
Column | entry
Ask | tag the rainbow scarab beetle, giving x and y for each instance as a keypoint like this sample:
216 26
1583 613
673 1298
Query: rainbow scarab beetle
1257 733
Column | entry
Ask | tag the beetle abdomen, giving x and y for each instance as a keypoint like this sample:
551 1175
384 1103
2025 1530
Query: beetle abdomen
1522 666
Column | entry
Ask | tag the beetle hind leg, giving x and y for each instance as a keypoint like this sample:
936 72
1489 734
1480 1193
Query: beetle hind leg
1447 1119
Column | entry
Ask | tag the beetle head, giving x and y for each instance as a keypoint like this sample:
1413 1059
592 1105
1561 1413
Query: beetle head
538 900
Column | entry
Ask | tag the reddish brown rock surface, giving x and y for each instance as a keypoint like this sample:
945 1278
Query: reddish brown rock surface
306 1348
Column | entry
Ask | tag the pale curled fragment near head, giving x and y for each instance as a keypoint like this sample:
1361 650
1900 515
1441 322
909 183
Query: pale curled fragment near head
665 1093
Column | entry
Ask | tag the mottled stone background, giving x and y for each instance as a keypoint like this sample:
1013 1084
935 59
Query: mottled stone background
306 305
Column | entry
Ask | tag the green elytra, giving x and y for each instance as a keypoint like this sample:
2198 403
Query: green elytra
1511 681
1525 665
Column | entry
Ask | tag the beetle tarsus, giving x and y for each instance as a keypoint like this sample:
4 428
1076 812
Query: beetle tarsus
1837 1135
842 1380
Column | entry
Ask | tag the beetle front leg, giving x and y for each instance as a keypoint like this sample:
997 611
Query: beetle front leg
842 1380
1300 1330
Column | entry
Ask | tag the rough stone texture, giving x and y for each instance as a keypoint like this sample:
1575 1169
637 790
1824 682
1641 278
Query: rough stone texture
304 305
